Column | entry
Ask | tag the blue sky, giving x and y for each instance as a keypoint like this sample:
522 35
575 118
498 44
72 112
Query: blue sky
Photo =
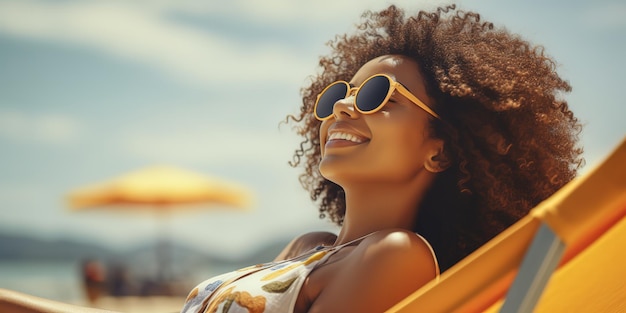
90 90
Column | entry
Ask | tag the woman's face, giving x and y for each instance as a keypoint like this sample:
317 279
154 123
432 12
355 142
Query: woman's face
389 146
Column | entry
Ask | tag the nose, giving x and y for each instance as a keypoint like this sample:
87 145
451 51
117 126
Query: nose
344 108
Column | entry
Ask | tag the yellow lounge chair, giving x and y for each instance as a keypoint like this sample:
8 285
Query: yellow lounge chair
566 255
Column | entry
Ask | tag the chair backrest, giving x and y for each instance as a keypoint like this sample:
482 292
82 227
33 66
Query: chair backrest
593 281
570 230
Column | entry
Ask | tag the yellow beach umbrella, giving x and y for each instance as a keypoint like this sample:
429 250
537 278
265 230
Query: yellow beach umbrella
161 188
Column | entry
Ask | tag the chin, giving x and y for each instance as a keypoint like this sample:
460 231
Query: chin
333 173
344 177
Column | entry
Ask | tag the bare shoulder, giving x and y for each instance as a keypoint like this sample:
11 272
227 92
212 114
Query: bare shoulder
306 242
383 269
400 249
390 244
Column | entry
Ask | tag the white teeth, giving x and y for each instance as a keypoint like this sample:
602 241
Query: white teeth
345 136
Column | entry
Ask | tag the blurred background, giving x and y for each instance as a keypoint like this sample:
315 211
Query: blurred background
91 90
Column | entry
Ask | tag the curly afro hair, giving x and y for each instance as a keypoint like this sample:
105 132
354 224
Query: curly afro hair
512 139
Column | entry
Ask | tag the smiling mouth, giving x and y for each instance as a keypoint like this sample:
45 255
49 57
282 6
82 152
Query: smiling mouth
345 136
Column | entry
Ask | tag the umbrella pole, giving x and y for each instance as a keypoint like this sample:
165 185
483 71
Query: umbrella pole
163 249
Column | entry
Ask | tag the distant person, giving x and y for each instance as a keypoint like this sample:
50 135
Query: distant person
119 282
423 137
94 280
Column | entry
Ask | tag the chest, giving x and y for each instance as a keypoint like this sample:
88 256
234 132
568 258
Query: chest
323 275
271 287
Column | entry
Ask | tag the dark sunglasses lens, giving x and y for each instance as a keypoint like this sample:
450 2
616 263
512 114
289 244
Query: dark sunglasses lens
372 93
327 100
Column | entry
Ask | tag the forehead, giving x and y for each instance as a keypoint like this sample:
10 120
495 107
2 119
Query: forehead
402 69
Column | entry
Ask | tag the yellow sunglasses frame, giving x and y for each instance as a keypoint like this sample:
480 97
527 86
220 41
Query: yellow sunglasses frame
393 86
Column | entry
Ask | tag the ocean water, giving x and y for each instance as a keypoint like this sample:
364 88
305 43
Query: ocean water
58 280
61 280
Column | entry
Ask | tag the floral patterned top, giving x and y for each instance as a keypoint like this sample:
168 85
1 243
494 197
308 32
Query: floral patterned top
263 288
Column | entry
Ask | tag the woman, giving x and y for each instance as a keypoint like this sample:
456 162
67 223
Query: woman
423 138
443 126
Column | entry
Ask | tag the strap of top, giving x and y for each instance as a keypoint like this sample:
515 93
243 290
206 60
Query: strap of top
334 249
325 253
344 244
432 252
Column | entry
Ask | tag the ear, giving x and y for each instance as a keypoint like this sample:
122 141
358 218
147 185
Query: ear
437 160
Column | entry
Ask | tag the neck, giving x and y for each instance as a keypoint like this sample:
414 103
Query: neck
374 207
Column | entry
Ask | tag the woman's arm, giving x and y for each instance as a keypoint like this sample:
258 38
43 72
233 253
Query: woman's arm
16 302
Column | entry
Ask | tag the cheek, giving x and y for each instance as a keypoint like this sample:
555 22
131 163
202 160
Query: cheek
401 149
401 154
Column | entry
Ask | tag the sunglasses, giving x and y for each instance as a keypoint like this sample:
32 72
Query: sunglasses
370 97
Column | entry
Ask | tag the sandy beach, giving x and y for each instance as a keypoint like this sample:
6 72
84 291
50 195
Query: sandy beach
140 304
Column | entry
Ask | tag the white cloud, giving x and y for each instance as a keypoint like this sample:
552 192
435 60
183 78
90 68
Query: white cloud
213 145
141 31
38 128
143 35
318 14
